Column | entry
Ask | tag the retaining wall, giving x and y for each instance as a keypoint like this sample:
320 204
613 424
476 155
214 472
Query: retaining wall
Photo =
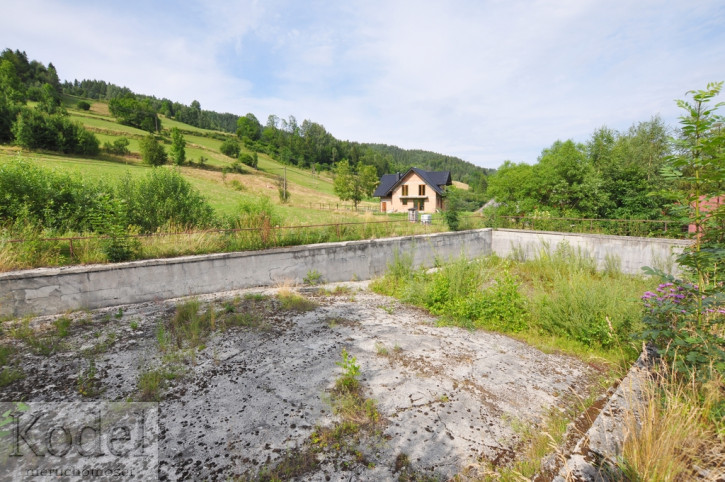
48 291
629 253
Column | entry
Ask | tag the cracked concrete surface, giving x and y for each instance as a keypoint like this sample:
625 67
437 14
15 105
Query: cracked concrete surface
450 398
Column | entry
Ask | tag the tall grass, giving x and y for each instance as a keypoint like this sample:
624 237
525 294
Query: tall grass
679 433
557 301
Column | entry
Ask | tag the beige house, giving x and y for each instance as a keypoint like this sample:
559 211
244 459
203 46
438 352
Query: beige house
416 189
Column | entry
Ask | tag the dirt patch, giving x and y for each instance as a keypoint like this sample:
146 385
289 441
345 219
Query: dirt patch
254 393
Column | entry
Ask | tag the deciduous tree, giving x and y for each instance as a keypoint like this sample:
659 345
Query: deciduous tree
354 183
178 144
152 152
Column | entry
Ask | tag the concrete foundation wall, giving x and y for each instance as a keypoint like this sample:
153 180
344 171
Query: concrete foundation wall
630 253
55 290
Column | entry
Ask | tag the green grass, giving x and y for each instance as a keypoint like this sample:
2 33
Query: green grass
93 121
557 302
301 177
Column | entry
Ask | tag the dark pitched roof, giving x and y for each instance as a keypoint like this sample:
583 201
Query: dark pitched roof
434 179
386 184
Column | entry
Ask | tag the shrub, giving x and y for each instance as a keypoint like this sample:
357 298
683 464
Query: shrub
230 147
36 130
41 196
163 198
250 161
83 105
118 147
688 342
453 210
257 213
458 293
152 152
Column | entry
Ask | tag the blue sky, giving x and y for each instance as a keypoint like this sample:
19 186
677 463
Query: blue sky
486 81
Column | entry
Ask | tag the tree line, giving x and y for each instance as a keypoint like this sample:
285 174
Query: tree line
307 144
46 126
617 175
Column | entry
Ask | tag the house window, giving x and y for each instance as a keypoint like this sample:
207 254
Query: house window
421 190
405 190
405 202
421 205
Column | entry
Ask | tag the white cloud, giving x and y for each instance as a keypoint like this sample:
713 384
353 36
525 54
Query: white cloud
486 81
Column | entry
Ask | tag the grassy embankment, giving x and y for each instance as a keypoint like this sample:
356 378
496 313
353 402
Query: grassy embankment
311 200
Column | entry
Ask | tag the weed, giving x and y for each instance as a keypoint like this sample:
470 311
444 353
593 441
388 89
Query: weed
679 430
402 462
294 302
381 349
294 463
189 328
348 382
339 290
45 345
163 338
247 319
88 384
10 372
255 297
101 347
313 278
6 354
9 375
556 301
62 327
22 330
134 325
119 314
389 309
150 384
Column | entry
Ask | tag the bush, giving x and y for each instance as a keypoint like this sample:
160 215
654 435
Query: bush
36 130
47 198
257 213
163 198
83 105
459 292
230 147
118 147
152 152
250 161
453 209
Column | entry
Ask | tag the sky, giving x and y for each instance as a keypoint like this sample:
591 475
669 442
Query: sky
483 80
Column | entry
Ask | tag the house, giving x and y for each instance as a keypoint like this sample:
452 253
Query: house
707 205
416 189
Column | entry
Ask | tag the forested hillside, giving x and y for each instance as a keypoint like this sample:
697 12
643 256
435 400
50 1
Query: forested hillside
306 145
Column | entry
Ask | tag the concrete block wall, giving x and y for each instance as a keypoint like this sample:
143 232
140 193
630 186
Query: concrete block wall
48 291
631 253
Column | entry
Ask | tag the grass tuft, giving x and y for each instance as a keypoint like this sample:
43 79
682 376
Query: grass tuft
679 433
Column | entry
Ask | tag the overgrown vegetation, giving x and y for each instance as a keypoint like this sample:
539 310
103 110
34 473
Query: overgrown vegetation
682 430
556 301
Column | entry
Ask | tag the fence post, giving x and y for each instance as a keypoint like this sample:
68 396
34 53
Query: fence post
72 254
